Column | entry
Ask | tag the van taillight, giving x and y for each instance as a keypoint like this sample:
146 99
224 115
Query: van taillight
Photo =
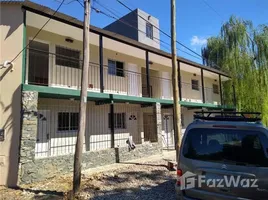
179 174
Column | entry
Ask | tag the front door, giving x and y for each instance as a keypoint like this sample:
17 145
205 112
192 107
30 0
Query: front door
38 63
133 127
168 131
149 128
42 147
134 80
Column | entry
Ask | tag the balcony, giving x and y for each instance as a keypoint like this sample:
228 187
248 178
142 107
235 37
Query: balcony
51 70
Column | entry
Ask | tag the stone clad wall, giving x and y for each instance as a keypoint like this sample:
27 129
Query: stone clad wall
158 121
28 131
33 170
44 168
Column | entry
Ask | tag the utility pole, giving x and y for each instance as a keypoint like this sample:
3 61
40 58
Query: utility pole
83 101
176 107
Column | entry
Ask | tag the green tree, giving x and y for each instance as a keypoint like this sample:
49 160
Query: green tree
242 51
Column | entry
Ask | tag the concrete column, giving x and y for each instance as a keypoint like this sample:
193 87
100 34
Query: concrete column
28 130
158 122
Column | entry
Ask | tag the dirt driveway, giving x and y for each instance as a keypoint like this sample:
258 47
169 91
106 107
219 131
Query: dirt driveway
140 179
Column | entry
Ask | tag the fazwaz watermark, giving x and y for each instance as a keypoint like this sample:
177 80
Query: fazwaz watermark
190 180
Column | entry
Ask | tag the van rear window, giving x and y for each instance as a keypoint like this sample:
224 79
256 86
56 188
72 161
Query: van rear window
242 147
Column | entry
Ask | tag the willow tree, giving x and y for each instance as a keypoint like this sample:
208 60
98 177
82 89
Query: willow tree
242 51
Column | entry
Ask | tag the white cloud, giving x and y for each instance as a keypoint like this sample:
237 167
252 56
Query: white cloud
198 41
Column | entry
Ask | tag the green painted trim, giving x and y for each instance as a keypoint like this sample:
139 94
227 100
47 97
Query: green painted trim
24 41
64 93
125 98
204 105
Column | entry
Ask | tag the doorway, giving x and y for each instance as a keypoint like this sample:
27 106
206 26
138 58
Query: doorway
149 128
42 147
38 63
168 132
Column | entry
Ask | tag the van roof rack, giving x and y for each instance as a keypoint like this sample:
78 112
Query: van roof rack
228 116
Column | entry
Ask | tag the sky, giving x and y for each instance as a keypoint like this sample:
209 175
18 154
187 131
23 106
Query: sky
197 20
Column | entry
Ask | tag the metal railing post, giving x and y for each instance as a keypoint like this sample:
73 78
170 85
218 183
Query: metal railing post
148 74
101 63
203 87
112 123
179 78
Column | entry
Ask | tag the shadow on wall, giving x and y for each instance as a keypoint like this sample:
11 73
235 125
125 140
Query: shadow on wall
10 96
5 72
12 129
12 22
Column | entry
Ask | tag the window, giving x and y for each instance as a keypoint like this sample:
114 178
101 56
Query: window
116 68
195 84
68 121
215 89
243 147
119 120
149 30
67 57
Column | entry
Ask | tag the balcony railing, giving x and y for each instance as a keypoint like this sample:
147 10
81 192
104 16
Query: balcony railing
191 93
52 70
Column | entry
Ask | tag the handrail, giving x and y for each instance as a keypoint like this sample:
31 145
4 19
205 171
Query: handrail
106 67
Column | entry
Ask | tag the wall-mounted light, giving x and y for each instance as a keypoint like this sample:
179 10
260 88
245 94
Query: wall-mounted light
151 62
194 74
215 80
70 40
149 17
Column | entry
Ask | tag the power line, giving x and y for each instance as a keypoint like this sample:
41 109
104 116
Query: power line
66 3
214 10
38 32
109 10
80 3
108 15
160 30
118 19
167 44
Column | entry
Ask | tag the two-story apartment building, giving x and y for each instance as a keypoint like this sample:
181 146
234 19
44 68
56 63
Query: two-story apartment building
129 92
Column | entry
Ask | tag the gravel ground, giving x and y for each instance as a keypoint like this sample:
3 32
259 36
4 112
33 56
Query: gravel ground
132 180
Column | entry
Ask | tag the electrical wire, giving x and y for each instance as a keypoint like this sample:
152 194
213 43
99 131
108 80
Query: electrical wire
167 47
38 32
215 11
163 32
99 11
